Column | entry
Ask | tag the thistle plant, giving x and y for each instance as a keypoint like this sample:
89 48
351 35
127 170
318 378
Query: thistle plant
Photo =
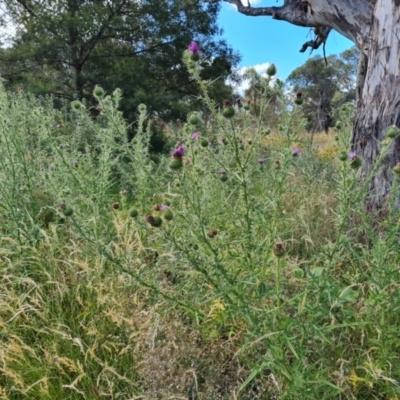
238 259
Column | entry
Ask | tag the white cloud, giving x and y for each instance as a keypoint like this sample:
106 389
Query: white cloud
261 70
245 3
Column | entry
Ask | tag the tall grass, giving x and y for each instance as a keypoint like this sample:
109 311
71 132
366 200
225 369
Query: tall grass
242 266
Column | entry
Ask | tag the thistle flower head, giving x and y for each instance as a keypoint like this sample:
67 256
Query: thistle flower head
195 135
296 151
194 48
352 156
178 152
278 249
261 160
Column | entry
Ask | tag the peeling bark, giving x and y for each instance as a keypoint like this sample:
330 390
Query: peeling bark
379 100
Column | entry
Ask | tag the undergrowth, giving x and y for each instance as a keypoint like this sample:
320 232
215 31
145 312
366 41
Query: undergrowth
242 266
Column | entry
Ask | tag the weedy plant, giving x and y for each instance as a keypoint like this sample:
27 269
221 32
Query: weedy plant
234 267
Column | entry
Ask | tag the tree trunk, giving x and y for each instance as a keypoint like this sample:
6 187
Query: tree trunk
378 103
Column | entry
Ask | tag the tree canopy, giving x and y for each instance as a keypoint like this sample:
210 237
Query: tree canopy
325 87
66 47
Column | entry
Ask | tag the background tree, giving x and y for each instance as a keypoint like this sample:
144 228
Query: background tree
68 46
325 87
374 26
262 87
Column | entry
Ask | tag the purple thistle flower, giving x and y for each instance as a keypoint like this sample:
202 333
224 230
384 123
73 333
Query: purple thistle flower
84 155
63 206
51 167
352 156
195 135
164 207
238 100
296 151
194 48
261 160
40 96
75 162
20 90
178 152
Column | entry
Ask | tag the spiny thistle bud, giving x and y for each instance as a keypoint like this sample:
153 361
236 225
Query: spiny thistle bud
194 119
271 71
156 207
98 91
298 100
224 141
68 212
192 65
212 233
392 132
228 111
396 168
267 131
278 250
343 156
77 105
123 192
238 101
154 221
115 205
250 142
204 142
176 163
277 164
168 215
223 177
142 108
339 125
247 107
356 162
298 273
134 213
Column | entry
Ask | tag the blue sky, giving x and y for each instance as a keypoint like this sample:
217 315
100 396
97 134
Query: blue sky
262 40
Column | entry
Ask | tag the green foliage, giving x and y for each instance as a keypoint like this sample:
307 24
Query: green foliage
69 47
263 87
169 282
325 88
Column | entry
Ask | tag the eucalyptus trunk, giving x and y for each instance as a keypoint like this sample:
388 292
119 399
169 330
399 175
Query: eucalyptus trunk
374 26
379 100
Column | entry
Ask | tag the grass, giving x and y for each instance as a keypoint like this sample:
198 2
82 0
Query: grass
264 279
